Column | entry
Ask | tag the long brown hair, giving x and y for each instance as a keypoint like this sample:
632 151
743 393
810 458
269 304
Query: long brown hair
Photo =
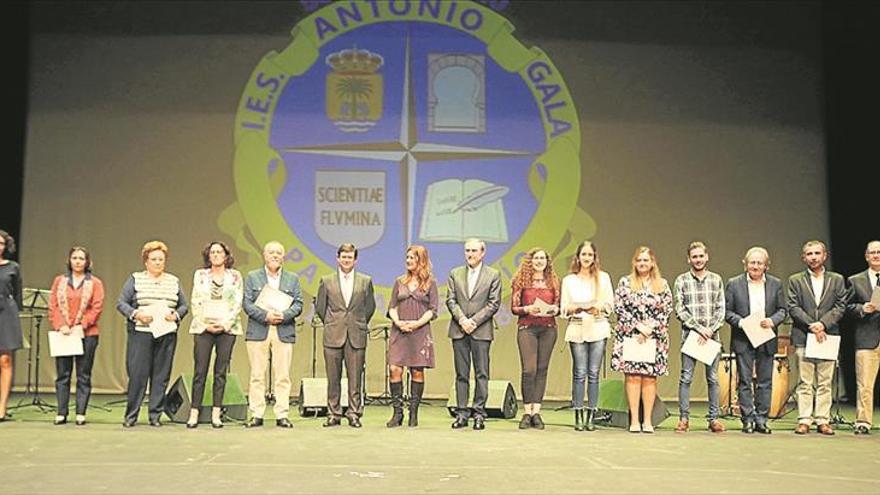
594 269
424 269
654 274
525 273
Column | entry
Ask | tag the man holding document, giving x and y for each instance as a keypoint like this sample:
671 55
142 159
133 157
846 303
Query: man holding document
699 305
816 303
755 308
272 301
864 305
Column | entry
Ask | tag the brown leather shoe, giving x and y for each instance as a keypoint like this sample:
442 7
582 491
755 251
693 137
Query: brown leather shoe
716 426
825 429
802 429
682 426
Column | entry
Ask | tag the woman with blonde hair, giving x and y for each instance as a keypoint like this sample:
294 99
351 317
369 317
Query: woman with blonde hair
535 299
587 300
413 306
643 303
149 355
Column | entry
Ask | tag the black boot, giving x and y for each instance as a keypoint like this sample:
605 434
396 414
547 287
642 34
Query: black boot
591 415
397 404
578 420
415 398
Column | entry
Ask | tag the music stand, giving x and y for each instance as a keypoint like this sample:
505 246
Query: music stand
837 417
35 306
728 411
383 399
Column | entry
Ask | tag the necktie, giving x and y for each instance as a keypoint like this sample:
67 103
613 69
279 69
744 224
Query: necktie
472 282
878 280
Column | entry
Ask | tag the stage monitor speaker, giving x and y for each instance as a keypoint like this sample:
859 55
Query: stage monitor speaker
178 400
501 402
614 409
313 396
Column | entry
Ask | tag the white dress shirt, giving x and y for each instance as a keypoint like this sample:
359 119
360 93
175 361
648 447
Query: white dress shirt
818 284
757 296
346 284
472 276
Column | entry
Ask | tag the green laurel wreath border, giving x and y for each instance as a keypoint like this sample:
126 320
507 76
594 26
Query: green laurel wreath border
558 220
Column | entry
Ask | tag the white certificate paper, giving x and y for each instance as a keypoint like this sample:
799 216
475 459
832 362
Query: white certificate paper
159 326
704 353
543 306
757 334
635 352
273 300
66 345
826 350
214 311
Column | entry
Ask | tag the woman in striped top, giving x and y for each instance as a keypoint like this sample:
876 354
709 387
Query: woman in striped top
150 349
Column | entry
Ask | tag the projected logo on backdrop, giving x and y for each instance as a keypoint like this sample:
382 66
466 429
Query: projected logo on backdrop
394 123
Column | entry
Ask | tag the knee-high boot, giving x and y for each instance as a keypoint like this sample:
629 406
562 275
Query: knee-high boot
397 404
416 389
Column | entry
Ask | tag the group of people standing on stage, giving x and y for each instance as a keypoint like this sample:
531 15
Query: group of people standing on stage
815 299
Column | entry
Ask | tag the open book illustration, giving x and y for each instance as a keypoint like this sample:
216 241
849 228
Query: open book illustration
457 209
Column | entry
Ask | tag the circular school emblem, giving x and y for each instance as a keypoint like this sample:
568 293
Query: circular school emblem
391 123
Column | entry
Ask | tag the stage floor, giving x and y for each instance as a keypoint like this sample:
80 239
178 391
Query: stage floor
102 457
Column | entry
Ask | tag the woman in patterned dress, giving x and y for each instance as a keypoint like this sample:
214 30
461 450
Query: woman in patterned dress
643 302
413 305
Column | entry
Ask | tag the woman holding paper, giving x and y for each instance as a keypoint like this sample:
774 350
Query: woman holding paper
153 305
414 301
216 303
10 326
643 303
535 299
587 300
75 305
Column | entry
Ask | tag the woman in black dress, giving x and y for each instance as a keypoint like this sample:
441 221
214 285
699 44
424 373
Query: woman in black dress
10 326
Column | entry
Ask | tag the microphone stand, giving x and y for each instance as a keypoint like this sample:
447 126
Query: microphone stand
383 399
34 305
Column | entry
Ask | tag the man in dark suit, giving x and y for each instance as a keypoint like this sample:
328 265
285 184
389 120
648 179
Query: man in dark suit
345 304
816 303
270 330
867 329
754 292
473 297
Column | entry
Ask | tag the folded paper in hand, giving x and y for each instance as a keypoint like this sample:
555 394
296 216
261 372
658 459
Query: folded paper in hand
273 300
757 334
705 352
66 345
636 352
215 311
159 326
826 350
543 307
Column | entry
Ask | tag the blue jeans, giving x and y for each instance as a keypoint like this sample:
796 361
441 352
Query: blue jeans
684 386
586 360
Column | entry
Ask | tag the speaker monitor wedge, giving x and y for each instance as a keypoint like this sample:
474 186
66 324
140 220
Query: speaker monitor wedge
178 399
614 409
313 396
501 402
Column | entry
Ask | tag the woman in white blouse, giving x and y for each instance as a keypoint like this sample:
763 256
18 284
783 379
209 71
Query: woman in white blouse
587 300
216 304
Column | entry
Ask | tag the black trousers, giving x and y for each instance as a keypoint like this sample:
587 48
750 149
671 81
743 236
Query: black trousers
203 346
64 368
754 406
148 360
466 350
353 358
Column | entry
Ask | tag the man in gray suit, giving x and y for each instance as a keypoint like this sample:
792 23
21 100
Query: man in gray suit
867 324
473 297
816 303
754 292
270 330
345 304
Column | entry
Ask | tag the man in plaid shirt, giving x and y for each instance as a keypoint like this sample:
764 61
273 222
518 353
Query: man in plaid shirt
699 305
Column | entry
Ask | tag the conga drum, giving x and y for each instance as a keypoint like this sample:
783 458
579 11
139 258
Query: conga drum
778 396
727 381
